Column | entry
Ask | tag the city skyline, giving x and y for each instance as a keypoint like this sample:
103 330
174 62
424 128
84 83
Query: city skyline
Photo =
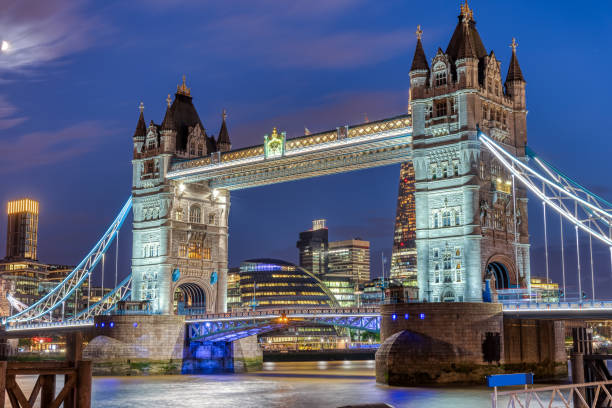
87 183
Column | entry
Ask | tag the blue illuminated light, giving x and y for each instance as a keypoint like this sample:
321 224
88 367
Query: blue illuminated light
422 316
112 324
207 324
406 316
96 324
393 317
135 324
102 324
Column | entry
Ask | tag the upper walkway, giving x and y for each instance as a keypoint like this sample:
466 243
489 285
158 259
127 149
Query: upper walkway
344 149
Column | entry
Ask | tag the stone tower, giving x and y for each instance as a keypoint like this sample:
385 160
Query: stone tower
179 253
471 221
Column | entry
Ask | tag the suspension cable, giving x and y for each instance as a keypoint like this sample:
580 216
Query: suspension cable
562 257
578 257
116 257
89 291
515 233
592 271
546 241
103 261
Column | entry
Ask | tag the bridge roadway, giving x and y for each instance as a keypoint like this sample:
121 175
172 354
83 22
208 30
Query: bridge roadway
226 325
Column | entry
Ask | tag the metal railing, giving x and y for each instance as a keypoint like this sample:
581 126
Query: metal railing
572 395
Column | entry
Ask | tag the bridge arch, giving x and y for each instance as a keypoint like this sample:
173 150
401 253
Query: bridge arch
502 272
192 296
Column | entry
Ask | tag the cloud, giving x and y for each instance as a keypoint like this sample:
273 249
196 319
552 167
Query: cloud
325 113
8 117
41 31
301 35
49 147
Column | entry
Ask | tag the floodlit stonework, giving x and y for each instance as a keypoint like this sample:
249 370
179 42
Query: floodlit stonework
471 219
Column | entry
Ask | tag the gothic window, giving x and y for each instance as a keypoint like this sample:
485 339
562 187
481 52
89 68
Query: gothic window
192 148
458 276
436 223
453 106
456 168
446 219
484 112
182 252
206 253
150 166
436 253
440 78
441 108
457 218
151 144
444 170
447 261
433 171
179 214
195 250
195 214
200 150
212 219
448 277
436 276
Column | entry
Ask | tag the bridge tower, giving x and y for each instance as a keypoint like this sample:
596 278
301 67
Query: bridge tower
471 222
179 254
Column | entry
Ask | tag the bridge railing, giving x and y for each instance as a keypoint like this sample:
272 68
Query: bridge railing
289 312
575 305
572 395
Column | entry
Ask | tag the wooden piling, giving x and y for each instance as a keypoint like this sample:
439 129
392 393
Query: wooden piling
2 382
83 386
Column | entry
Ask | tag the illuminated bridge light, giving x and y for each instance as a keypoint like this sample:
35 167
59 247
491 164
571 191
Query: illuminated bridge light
112 324
394 317
406 316
135 324
422 316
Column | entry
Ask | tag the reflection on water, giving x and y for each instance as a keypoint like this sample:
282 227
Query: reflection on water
302 384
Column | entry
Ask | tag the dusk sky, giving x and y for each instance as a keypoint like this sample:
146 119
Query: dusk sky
75 72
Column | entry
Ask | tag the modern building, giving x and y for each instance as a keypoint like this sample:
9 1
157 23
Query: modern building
22 230
404 255
344 290
25 277
233 289
272 283
313 246
349 259
469 215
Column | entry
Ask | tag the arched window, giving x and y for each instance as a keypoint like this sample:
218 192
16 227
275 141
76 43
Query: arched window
444 170
446 219
436 223
212 219
457 218
151 144
195 214
200 150
456 168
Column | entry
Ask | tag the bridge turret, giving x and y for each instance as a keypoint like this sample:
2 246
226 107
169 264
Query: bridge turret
419 72
168 129
515 89
223 141
141 131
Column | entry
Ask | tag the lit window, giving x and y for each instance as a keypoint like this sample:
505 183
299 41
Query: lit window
195 250
182 252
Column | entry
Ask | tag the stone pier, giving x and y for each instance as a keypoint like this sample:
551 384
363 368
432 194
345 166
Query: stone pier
157 344
441 343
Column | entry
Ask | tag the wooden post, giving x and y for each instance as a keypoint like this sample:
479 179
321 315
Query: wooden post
83 385
577 360
74 346
47 394
2 382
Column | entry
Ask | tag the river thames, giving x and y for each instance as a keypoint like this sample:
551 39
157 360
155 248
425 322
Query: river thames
301 384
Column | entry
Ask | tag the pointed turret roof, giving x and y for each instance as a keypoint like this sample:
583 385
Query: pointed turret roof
141 126
419 62
168 122
514 70
183 115
465 40
223 133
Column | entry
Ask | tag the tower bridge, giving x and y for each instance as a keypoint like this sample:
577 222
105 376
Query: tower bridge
466 137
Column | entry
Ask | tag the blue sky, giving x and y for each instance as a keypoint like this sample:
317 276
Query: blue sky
77 70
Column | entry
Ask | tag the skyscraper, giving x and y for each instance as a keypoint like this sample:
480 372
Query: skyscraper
349 259
403 257
22 231
313 245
